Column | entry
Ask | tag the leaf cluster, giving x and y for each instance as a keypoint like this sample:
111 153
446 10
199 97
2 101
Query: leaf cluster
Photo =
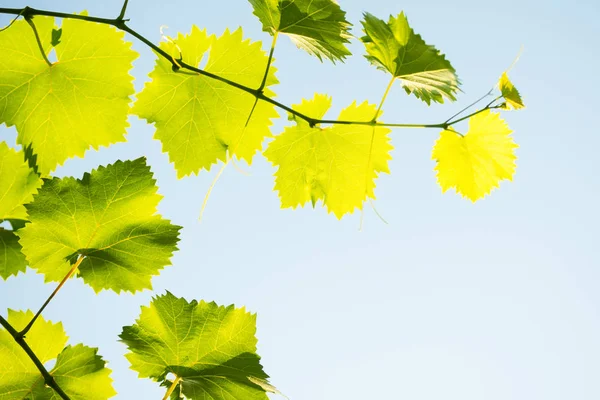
104 227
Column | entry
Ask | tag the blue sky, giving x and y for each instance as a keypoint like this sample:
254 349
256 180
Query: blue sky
452 300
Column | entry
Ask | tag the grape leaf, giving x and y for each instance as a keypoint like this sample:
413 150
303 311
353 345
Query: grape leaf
421 69
475 163
79 102
337 165
12 260
317 26
198 119
510 93
108 217
211 348
79 371
18 183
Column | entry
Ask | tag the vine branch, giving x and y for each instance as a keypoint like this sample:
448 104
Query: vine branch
177 65
48 379
123 10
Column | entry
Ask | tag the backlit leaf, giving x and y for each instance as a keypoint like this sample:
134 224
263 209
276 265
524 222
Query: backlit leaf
421 68
510 93
18 183
337 165
211 348
12 260
109 217
317 26
79 371
80 102
475 163
198 119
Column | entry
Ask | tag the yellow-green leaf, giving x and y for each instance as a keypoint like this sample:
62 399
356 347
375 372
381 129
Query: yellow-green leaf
80 102
421 68
79 371
510 93
12 260
317 26
18 183
337 165
108 218
475 163
198 119
211 348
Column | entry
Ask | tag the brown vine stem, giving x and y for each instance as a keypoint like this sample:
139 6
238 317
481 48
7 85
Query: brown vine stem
179 64
172 388
48 379
60 285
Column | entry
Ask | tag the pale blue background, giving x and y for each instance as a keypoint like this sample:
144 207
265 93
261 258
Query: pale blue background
454 301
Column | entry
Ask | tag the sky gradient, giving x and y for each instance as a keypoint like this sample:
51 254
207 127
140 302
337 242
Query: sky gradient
451 300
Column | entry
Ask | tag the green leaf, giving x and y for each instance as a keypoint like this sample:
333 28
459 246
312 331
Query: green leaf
200 120
510 93
12 260
80 102
79 371
337 165
211 348
56 35
317 26
421 69
18 183
109 218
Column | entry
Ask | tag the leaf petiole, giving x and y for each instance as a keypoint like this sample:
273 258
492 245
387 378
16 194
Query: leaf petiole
37 38
60 285
172 388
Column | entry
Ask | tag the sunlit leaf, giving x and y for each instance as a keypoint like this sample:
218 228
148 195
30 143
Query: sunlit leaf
78 103
109 218
317 26
475 163
337 165
421 68
198 119
78 370
510 93
211 348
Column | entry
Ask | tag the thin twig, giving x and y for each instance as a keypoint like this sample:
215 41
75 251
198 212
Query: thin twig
48 379
12 22
471 105
123 10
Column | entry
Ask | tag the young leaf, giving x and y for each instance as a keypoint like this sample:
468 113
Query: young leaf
421 69
198 119
109 218
56 35
337 165
317 26
475 163
212 349
18 183
79 102
12 260
510 93
79 371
